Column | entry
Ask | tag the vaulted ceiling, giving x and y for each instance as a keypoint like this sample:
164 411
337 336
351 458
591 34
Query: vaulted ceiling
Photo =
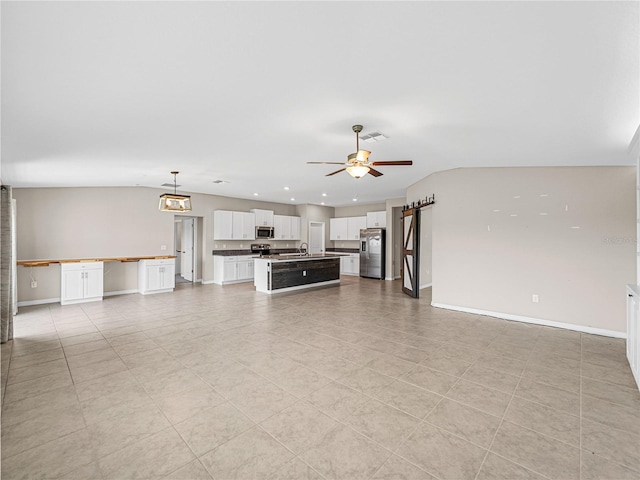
122 93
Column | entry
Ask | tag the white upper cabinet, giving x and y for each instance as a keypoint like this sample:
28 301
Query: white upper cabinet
354 225
229 225
264 218
338 228
286 227
377 219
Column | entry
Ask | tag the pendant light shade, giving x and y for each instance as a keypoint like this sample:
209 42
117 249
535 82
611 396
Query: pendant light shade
172 202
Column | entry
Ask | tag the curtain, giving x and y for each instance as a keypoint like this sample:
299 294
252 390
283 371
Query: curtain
7 264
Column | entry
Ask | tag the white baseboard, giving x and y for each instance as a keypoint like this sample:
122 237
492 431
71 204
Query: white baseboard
426 285
28 303
535 321
120 292
207 282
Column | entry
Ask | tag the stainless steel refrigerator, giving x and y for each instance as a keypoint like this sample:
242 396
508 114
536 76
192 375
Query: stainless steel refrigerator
372 252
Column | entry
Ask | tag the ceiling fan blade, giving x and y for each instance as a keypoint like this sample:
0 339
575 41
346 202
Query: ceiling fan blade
326 163
337 171
374 172
392 162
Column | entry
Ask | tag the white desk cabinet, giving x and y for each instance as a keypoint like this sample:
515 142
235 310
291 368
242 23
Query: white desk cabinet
156 276
81 282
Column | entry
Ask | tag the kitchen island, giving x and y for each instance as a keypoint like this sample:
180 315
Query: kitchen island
283 273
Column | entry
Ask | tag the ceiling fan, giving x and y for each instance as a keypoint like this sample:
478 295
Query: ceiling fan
358 164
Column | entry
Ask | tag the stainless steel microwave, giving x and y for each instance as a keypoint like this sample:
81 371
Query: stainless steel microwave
264 232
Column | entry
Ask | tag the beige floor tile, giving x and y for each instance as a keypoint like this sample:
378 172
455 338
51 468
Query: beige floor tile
595 467
337 400
259 399
119 403
478 396
116 433
548 421
473 425
296 469
383 424
498 468
614 445
629 397
491 378
550 396
395 468
186 404
106 385
17 375
253 454
410 399
38 406
555 378
537 452
172 383
191 471
450 457
611 414
22 390
212 427
299 426
343 453
90 372
52 459
88 358
34 358
154 456
432 380
438 360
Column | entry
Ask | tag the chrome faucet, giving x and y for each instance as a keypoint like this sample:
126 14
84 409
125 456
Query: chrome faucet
306 247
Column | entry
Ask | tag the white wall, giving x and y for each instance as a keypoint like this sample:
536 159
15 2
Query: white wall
486 259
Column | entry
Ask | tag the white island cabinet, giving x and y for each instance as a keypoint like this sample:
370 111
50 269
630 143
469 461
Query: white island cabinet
81 282
156 276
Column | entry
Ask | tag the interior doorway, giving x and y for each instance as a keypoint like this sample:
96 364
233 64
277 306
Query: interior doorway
187 231
316 237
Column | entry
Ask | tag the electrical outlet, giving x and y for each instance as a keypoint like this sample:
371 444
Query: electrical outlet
304 273
241 245
34 284
163 247
535 298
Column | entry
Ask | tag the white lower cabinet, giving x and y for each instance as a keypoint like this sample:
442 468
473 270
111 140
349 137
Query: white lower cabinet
156 276
350 264
81 282
232 269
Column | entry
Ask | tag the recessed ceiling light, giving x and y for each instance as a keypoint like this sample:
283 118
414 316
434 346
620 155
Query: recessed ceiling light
513 215
324 194
293 199
544 195
576 228
516 196
321 203
496 210
255 194
354 199
286 188
543 213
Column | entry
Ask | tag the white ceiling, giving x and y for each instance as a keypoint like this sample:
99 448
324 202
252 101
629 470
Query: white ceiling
121 93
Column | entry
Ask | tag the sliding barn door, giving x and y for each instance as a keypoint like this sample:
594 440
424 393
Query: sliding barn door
411 252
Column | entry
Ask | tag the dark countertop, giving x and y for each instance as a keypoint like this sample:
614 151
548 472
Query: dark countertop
276 251
296 258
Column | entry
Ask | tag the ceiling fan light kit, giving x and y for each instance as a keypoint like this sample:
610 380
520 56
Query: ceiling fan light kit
173 202
358 164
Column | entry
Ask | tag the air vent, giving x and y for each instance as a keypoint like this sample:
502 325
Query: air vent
220 181
372 137
170 185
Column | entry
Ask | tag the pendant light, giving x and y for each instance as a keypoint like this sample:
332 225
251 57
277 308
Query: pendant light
172 202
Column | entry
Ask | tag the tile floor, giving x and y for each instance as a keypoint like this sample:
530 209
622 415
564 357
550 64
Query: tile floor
349 382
